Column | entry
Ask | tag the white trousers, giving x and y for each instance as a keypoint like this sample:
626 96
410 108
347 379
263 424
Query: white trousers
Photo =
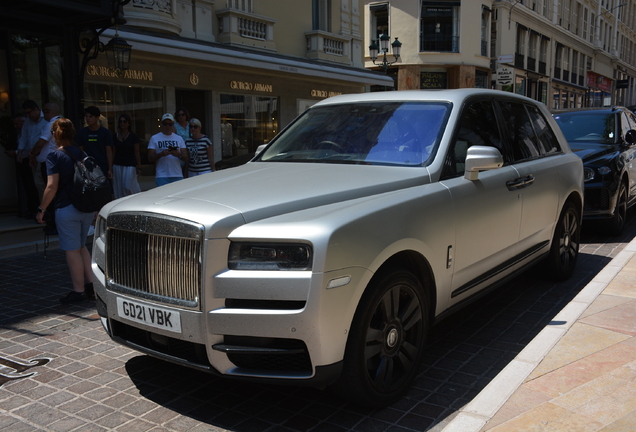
125 181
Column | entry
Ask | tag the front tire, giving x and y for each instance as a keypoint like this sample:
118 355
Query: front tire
564 251
386 342
616 224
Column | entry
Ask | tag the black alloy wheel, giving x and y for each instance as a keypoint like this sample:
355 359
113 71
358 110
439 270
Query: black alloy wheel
386 343
617 222
564 251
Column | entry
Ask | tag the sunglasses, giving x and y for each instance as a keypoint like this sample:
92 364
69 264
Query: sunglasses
181 114
167 124
194 127
123 121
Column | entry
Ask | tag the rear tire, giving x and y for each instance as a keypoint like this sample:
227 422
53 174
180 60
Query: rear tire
386 341
564 251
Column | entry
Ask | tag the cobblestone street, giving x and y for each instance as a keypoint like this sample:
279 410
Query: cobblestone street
91 383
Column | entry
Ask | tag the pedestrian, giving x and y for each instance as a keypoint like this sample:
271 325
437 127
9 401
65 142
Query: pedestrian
182 123
167 150
44 145
72 225
200 151
96 141
126 160
31 132
18 121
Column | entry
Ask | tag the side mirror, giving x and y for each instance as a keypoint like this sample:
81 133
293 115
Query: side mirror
260 148
630 137
481 158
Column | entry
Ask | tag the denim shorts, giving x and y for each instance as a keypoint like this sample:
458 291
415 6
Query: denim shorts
72 227
165 180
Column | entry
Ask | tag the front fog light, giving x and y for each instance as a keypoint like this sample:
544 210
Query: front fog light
604 170
269 256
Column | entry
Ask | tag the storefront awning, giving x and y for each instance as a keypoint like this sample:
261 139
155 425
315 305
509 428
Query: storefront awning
219 54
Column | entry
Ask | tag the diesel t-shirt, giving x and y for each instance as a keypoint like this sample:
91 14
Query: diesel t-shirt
167 166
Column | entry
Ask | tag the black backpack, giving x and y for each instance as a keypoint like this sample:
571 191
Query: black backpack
91 189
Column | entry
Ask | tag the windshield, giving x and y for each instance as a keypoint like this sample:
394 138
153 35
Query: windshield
378 133
593 127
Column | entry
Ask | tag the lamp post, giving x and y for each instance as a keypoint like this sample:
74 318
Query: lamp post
396 47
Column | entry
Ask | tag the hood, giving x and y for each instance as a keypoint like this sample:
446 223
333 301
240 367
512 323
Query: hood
259 190
589 152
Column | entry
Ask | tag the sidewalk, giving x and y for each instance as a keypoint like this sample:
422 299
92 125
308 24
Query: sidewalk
578 374
20 236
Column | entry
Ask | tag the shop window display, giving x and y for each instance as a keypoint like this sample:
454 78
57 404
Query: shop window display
246 123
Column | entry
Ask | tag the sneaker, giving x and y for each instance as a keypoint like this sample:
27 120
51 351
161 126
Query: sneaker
91 231
73 297
89 291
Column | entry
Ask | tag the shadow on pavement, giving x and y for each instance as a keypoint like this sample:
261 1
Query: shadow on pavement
464 353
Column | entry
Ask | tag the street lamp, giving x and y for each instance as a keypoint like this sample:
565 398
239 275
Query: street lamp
118 53
396 47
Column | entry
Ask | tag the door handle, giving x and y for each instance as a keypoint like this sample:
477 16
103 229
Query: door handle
520 183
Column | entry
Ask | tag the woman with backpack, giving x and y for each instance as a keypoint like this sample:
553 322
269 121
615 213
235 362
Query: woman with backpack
72 224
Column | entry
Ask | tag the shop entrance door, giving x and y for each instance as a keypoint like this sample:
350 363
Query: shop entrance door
194 102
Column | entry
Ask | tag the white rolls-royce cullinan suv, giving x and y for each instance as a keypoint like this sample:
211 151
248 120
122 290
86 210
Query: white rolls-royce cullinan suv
325 260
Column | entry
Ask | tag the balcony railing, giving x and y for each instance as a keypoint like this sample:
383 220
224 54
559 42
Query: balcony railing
439 43
484 48
153 14
250 28
237 27
322 45
566 75
557 73
532 64
519 60
542 68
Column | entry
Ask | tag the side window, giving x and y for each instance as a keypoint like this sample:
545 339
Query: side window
625 126
521 136
548 142
477 126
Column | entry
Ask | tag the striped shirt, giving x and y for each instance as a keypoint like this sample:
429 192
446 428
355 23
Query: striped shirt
198 151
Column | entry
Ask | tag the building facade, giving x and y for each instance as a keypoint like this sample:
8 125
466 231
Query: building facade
565 53
568 53
445 44
244 68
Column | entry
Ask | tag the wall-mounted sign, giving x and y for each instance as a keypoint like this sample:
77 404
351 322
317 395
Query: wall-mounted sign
433 80
505 75
104 71
599 82
324 93
506 58
242 85
194 79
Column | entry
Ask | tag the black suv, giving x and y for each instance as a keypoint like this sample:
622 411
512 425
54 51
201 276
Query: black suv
604 138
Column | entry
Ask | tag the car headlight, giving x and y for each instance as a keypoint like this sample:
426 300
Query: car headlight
269 256
100 228
588 174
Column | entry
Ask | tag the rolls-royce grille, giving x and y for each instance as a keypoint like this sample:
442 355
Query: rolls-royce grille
163 268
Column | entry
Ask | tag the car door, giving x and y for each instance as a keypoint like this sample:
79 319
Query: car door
533 146
487 213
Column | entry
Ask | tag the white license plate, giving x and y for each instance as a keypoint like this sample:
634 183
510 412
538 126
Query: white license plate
152 316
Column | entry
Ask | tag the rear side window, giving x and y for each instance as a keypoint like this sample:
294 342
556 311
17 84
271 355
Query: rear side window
520 131
548 142
477 126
